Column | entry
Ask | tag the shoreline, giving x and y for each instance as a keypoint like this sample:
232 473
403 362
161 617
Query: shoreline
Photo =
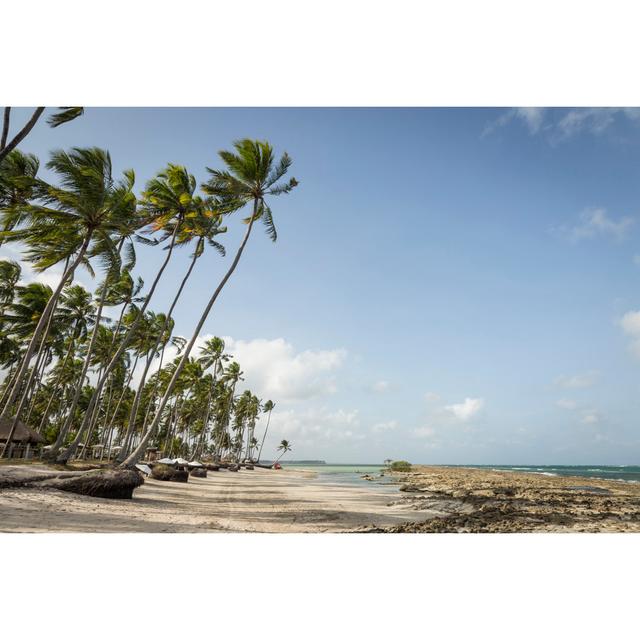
427 499
473 500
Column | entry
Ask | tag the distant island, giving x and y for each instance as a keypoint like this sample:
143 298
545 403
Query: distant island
299 461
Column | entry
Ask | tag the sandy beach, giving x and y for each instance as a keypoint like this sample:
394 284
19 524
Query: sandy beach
429 499
250 501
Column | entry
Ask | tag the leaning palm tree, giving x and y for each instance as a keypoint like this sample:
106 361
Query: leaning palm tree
268 407
64 114
285 446
165 202
200 223
62 225
249 179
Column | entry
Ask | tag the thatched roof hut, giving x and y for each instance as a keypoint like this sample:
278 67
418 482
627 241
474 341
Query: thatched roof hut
22 435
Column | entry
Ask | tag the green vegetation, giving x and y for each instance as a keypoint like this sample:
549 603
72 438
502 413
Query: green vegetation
400 465
69 357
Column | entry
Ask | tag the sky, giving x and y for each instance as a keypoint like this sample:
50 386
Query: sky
448 286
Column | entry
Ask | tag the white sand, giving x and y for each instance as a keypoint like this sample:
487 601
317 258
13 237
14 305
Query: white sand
261 500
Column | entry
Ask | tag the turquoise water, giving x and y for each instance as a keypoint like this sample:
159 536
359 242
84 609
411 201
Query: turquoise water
345 473
351 473
605 472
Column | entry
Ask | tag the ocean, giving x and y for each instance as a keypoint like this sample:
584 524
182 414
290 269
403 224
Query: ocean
351 473
605 472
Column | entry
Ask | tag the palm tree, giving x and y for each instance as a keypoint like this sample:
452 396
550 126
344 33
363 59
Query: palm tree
65 114
284 447
250 177
88 206
165 201
200 222
268 408
9 275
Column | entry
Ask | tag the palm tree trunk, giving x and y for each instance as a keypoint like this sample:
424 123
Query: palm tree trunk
264 435
44 318
135 456
8 148
136 400
71 449
5 127
129 334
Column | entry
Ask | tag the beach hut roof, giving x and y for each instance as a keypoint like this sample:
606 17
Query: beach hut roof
167 461
23 433
181 461
195 463
144 468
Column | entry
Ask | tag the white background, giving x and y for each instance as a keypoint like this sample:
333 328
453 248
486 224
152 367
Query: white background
290 53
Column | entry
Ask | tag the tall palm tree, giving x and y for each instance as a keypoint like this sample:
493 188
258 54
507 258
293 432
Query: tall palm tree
250 178
269 405
88 206
285 446
200 223
165 201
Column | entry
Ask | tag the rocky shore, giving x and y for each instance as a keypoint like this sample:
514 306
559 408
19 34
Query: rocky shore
485 501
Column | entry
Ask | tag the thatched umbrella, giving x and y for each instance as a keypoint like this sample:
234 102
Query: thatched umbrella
24 436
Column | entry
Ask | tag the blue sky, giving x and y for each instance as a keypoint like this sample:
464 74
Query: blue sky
448 286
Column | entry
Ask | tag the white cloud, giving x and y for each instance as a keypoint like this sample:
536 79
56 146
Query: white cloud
532 117
630 323
316 424
385 426
596 222
570 405
578 381
430 396
465 410
274 369
561 124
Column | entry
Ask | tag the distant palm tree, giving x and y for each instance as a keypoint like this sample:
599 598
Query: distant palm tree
268 408
284 447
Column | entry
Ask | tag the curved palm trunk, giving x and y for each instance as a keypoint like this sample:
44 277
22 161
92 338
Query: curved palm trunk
126 338
205 420
264 435
44 318
54 393
62 459
137 453
8 148
136 400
